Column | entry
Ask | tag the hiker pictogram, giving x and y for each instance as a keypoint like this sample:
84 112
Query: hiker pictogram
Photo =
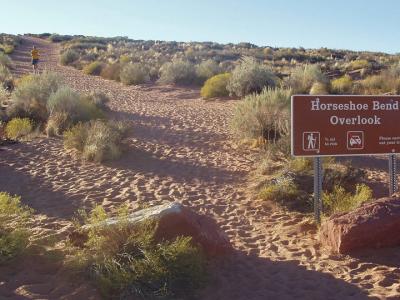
311 141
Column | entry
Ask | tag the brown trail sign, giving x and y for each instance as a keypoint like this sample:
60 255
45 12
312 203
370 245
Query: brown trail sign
345 125
330 125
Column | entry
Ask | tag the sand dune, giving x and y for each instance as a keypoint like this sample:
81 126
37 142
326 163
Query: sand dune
179 150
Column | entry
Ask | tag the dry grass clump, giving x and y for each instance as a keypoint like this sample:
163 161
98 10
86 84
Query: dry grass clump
265 115
93 68
125 261
134 74
178 72
216 86
14 226
96 140
5 60
18 128
249 76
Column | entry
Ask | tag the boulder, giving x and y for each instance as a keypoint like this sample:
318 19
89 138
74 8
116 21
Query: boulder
373 225
174 220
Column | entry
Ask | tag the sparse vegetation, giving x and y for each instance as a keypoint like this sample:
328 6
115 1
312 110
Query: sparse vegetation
207 69
18 128
126 261
96 140
249 76
216 86
111 71
14 226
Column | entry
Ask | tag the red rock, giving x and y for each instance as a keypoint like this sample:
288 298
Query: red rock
174 220
373 225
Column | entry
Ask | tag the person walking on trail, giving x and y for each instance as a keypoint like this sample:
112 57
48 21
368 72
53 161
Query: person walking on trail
35 59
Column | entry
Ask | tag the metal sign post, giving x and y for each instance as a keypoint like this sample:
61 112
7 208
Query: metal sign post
317 188
393 187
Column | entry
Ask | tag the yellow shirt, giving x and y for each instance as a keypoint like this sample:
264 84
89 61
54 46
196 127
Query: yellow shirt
35 54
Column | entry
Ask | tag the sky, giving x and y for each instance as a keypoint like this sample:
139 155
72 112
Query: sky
371 25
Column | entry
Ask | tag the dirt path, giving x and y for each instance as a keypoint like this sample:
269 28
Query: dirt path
179 150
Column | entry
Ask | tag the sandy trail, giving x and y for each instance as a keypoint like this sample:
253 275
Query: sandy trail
179 150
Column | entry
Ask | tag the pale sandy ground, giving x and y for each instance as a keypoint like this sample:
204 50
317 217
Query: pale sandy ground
179 150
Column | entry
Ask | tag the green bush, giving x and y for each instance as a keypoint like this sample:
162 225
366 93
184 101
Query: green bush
14 229
216 86
250 77
31 96
126 261
265 115
207 69
341 201
96 140
18 128
111 72
342 85
68 57
178 72
93 68
134 74
303 78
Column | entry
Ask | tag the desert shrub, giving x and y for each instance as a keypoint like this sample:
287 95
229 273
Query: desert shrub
319 88
69 57
18 128
286 193
343 174
57 38
341 201
96 140
125 261
379 84
124 59
66 108
9 49
250 77
358 64
93 68
99 99
111 72
216 86
303 78
342 85
30 97
134 74
178 72
207 69
5 60
264 115
14 229
5 74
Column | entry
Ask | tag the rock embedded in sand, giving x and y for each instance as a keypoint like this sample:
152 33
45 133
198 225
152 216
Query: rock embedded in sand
373 225
174 220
